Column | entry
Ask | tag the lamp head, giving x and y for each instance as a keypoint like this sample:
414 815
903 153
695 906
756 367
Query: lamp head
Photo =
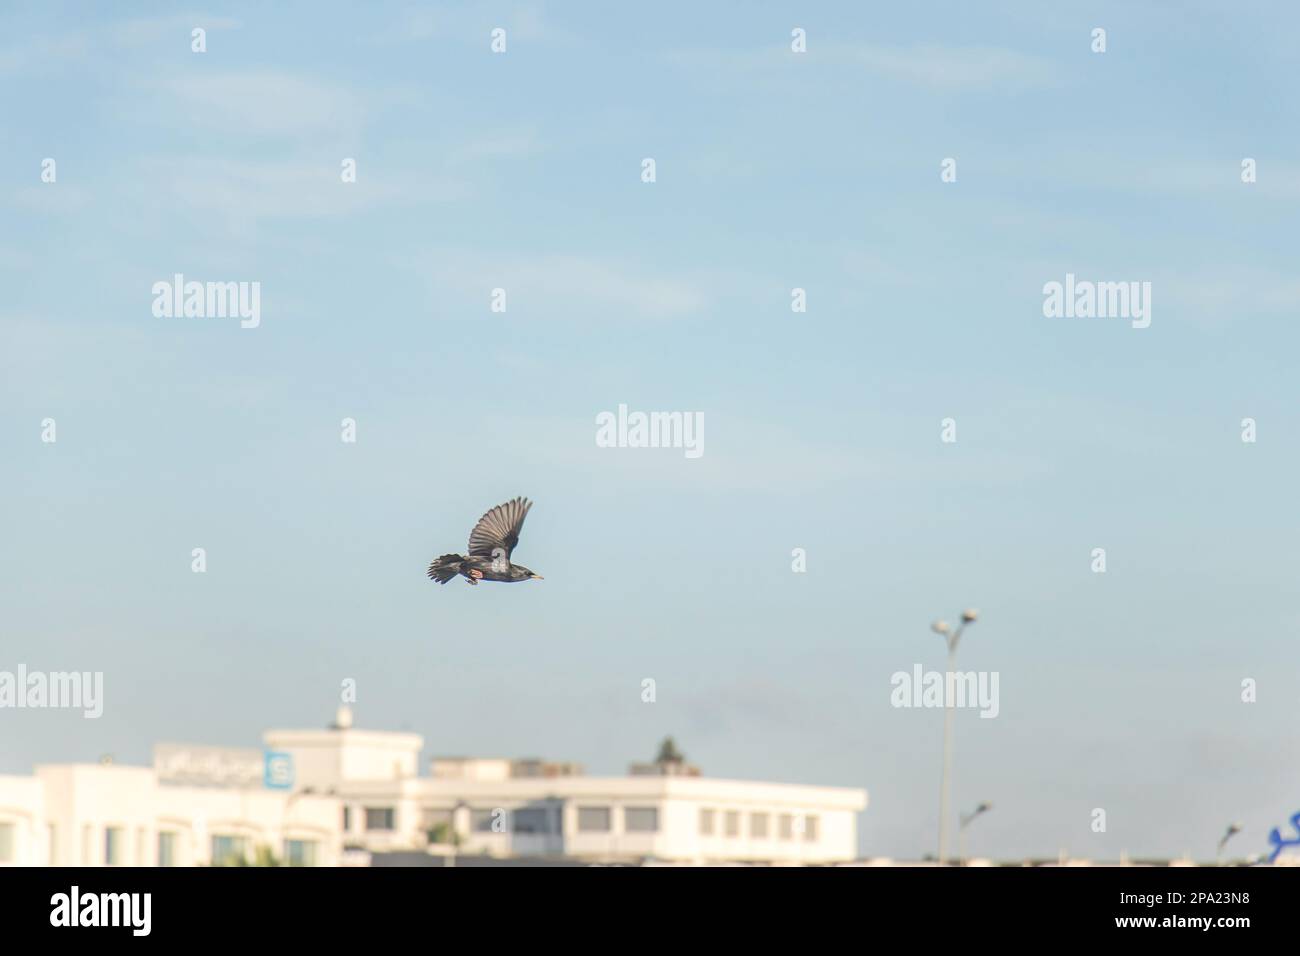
940 627
969 615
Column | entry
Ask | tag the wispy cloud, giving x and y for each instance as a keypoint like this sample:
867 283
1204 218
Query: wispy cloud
566 285
740 454
51 198
147 30
470 23
245 191
55 52
44 53
1169 167
522 142
931 66
950 68
264 102
1229 293
1276 179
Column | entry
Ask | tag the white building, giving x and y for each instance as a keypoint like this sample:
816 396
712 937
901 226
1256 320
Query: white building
530 808
313 793
96 815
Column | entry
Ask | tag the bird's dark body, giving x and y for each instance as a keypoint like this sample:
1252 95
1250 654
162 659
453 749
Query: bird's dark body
490 545
480 569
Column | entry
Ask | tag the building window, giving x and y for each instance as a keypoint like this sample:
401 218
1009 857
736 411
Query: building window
786 825
641 819
758 825
379 818
485 821
166 848
810 829
706 821
347 819
114 846
7 852
731 822
228 850
593 819
301 852
530 820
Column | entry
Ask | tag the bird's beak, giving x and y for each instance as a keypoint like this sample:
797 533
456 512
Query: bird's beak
538 576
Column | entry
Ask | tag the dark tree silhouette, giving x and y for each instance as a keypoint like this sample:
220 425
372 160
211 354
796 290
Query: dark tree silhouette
668 752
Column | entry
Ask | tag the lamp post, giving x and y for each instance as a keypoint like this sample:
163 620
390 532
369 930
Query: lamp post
966 819
453 835
1232 831
951 637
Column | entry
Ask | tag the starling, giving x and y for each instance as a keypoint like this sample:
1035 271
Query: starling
490 544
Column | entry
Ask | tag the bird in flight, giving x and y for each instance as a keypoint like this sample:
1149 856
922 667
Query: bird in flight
490 545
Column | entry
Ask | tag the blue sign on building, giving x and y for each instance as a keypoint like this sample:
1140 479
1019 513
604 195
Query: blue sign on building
277 772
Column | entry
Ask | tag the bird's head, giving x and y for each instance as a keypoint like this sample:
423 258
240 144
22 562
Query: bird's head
525 573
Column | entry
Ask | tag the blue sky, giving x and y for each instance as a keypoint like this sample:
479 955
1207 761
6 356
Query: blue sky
774 170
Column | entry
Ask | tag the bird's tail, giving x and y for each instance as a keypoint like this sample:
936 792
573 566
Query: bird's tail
445 568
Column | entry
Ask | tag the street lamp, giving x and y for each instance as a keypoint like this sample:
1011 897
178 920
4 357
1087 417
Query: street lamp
453 835
950 637
1233 830
966 819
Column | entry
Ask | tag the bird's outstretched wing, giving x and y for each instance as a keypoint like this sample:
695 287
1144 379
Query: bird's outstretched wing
499 528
